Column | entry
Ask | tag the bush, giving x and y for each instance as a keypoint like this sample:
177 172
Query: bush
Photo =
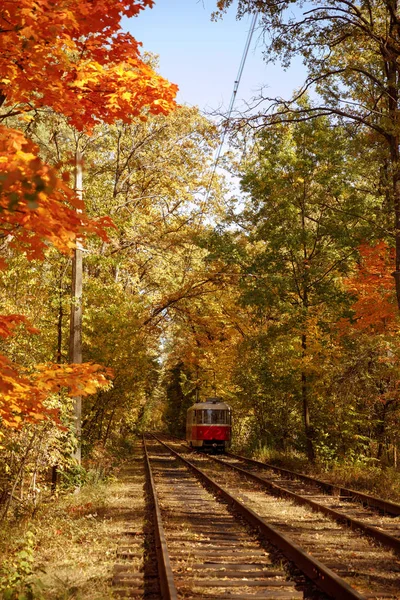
17 570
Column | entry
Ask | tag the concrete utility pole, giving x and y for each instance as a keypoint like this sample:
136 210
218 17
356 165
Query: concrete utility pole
75 337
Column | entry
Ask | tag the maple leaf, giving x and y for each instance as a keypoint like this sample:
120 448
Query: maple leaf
37 207
71 56
372 284
23 395
77 53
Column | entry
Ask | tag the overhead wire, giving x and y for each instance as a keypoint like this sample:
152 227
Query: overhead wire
187 258
228 115
233 98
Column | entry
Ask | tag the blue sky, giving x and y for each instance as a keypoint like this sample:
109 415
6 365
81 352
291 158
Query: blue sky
202 57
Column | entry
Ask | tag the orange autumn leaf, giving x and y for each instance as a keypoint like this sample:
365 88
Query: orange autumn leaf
23 394
36 206
8 323
71 56
372 286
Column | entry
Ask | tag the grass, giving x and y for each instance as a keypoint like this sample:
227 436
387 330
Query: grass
375 479
66 551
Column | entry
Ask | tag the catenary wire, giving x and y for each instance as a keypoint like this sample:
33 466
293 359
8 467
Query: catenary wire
233 98
230 109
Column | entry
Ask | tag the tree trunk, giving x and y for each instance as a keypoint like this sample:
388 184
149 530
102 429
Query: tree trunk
396 193
391 69
306 408
305 301
59 325
54 468
109 427
75 339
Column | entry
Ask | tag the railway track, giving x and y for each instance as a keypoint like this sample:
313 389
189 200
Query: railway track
339 561
360 511
135 570
209 553
385 506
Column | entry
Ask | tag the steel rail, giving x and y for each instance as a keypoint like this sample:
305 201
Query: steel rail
383 538
323 577
167 584
386 506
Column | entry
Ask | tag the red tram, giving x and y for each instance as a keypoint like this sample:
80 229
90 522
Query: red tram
208 425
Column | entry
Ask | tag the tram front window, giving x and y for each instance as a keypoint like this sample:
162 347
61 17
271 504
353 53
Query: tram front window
213 417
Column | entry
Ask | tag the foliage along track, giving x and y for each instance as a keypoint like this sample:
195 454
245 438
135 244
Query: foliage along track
369 569
213 556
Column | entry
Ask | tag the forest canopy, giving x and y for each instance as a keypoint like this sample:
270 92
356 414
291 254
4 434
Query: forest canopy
279 293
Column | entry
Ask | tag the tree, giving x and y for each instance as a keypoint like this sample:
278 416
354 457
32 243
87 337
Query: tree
152 178
369 348
300 238
72 57
351 51
177 401
79 64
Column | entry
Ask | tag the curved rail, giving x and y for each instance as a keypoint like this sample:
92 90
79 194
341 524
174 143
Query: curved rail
386 506
323 577
167 584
